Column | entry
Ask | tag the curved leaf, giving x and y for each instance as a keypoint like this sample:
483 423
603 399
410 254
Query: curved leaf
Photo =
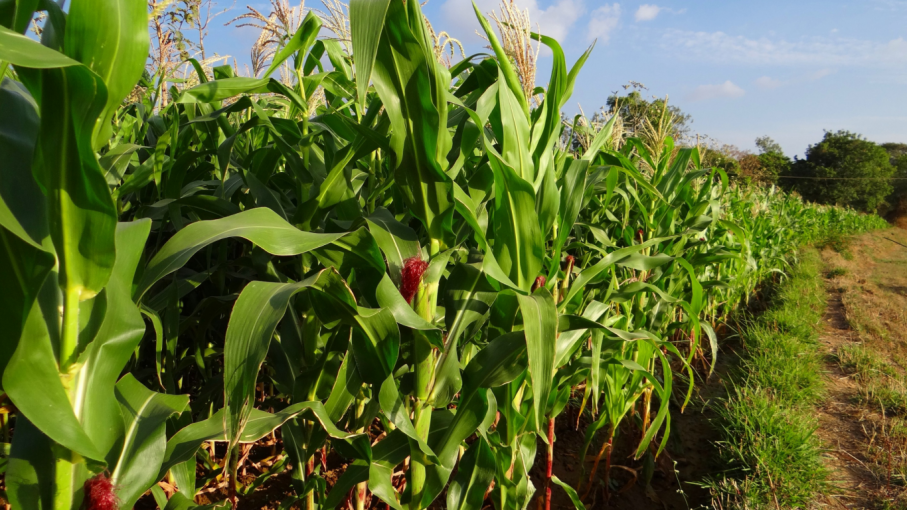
261 226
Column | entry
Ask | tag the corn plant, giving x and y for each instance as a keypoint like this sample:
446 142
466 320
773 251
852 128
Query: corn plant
390 259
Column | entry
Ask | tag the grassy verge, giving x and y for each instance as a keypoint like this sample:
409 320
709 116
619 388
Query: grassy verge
872 284
768 421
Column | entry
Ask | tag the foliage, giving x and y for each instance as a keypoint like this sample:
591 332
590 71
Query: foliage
636 111
765 144
897 153
240 250
774 164
844 169
768 446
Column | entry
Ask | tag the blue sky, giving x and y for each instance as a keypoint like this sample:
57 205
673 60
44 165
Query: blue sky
788 69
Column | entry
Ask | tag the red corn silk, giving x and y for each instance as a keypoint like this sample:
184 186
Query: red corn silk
411 277
99 494
639 234
568 263
539 282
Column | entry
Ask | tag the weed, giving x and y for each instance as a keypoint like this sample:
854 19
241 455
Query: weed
836 272
769 446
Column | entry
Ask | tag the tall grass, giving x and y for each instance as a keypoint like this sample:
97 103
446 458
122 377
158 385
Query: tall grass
769 451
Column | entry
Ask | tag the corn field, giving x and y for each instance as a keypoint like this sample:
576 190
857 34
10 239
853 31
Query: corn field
414 271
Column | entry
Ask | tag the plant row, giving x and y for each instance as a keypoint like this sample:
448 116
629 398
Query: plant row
414 274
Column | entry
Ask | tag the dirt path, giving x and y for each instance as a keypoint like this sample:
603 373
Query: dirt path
839 418
863 340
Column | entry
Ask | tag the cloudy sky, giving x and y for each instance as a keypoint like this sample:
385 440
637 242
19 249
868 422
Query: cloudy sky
784 68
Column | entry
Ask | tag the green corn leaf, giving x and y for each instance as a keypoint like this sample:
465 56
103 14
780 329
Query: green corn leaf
33 383
474 474
518 247
546 130
301 41
469 296
24 242
116 160
412 86
515 135
22 205
504 64
181 502
396 240
82 214
111 38
571 332
20 50
144 414
28 268
466 207
346 387
390 299
30 462
103 360
572 192
261 226
471 412
395 411
366 25
388 452
185 443
571 493
499 363
375 344
612 258
603 136
540 326
257 311
224 88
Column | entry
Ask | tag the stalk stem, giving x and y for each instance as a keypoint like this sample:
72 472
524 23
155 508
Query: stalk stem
550 463
232 463
605 445
70 334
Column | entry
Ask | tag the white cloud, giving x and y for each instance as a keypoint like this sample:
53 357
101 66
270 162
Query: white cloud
726 89
554 21
603 21
768 83
718 47
647 12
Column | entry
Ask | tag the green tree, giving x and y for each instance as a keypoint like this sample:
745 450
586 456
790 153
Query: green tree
897 156
896 151
766 145
844 169
772 160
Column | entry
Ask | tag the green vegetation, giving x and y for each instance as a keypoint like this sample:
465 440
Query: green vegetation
872 354
392 262
881 383
768 445
772 160
843 169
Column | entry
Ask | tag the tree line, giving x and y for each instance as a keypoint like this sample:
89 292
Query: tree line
844 168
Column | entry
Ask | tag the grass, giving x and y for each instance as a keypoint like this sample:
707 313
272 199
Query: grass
880 383
767 422
873 288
